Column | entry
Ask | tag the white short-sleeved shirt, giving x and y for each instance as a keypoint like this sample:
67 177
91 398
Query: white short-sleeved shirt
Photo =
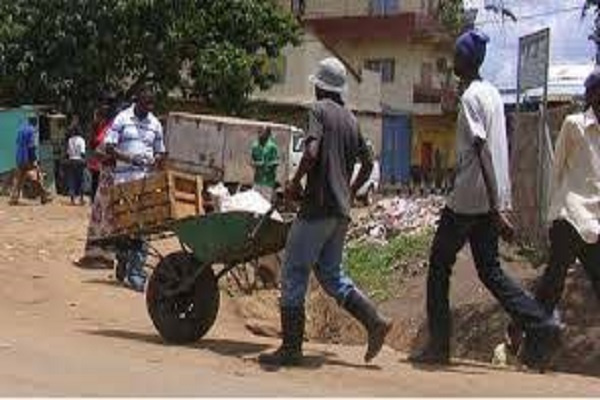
575 182
136 137
76 148
481 115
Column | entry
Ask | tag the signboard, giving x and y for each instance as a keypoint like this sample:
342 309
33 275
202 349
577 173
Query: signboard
532 73
534 60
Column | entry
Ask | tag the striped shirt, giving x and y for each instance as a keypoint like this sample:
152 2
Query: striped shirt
136 137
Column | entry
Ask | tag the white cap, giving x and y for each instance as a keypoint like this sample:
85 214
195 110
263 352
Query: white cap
331 76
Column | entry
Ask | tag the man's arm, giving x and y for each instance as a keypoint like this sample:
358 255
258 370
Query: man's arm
564 145
312 144
489 175
159 148
255 160
366 166
274 157
112 140
474 118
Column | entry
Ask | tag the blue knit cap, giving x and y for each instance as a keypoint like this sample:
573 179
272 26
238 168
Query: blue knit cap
472 45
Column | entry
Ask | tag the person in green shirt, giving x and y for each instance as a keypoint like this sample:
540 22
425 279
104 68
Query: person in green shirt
265 160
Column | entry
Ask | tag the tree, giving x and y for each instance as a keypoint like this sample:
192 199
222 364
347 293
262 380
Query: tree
67 52
453 16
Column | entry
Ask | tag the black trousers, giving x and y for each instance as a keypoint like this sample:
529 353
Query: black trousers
95 182
75 176
566 245
453 232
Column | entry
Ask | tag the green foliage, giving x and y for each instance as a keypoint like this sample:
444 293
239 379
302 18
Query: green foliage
68 51
379 268
452 15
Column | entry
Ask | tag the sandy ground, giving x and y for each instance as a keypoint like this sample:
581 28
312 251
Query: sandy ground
72 332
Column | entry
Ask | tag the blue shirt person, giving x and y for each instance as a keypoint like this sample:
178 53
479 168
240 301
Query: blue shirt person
26 160
26 143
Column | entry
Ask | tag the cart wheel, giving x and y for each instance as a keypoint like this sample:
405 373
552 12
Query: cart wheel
186 317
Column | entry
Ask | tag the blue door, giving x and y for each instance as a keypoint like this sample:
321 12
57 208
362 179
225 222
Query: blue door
397 134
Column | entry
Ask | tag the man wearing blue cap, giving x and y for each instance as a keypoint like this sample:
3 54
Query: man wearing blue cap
475 212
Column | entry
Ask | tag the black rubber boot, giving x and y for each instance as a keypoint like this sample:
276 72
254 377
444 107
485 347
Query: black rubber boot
361 308
540 346
292 330
432 354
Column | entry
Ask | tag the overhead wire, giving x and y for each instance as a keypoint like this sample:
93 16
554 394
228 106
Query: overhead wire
535 15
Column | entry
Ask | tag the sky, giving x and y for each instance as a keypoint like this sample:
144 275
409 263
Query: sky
568 34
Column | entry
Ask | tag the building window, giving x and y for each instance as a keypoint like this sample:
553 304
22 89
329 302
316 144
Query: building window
385 66
384 7
427 75
298 7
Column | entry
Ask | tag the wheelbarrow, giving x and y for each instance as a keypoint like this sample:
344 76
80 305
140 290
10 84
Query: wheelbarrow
183 295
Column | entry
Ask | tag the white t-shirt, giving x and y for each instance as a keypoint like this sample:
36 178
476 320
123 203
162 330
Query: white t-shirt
76 148
481 115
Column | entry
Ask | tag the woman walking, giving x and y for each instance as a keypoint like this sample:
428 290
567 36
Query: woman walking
101 218
75 162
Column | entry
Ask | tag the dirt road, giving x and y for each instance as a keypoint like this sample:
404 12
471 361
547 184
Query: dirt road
72 332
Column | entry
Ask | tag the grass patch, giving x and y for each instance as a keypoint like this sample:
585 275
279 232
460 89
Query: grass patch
379 269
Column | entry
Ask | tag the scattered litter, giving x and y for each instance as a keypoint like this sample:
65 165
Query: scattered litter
394 216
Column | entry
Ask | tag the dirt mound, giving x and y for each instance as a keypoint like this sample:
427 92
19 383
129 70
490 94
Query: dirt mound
479 322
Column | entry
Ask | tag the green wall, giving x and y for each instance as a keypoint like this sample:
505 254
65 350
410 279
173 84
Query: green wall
10 120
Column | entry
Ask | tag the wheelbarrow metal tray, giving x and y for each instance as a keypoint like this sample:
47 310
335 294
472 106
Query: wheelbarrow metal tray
226 238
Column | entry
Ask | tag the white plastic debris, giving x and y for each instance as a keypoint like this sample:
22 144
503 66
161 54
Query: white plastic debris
248 201
219 194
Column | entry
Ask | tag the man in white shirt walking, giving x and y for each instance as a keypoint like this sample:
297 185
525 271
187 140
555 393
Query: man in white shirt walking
476 213
574 211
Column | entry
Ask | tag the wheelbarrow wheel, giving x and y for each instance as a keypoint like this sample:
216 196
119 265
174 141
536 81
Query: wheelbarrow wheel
182 318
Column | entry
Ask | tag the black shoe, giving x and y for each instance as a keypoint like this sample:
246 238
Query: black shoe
376 325
540 346
121 269
431 355
290 352
282 357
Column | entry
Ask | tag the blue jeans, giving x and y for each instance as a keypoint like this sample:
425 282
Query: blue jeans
316 244
133 254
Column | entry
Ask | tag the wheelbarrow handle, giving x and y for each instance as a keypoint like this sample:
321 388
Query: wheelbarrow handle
263 219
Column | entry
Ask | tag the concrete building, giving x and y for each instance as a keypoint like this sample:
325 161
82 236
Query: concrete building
293 90
403 43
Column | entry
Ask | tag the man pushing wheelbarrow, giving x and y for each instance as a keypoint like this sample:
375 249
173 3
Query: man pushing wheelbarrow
332 146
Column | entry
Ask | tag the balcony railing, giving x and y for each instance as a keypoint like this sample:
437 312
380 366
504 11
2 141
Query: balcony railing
318 9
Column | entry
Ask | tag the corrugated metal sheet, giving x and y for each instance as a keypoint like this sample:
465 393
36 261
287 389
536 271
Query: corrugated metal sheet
10 120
